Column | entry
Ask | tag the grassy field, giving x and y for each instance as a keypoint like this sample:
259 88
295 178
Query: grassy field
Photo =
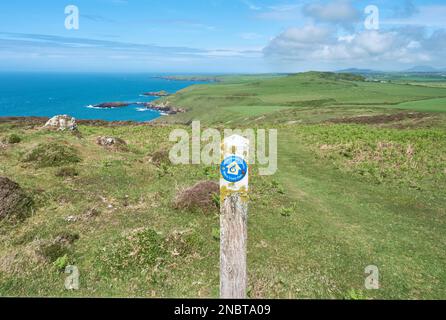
360 182
312 90
429 105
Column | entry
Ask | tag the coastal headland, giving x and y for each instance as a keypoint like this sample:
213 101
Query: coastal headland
163 107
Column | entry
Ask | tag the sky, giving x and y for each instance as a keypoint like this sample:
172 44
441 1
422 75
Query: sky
221 36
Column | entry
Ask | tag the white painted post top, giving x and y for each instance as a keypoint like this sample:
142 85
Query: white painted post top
234 166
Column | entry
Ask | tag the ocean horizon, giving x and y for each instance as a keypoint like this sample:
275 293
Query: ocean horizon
49 94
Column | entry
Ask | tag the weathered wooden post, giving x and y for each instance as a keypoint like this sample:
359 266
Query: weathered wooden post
233 217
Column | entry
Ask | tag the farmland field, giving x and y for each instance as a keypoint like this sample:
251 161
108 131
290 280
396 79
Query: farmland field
429 105
314 90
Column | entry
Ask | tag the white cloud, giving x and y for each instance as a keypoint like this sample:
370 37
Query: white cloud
337 12
427 16
407 9
302 37
322 44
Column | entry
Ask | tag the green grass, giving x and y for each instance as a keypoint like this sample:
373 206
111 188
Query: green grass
430 105
346 222
345 196
308 90
52 154
253 110
317 223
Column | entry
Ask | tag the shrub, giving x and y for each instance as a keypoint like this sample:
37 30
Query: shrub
52 251
183 243
201 196
14 203
13 139
67 172
160 157
58 247
355 295
66 237
286 212
216 233
52 154
61 262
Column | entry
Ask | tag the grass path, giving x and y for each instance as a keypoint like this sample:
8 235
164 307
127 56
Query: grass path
341 224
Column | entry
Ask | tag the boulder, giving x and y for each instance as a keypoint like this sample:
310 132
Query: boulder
161 93
61 123
112 143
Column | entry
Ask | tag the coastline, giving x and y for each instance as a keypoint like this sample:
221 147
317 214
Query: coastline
189 78
34 121
142 97
163 108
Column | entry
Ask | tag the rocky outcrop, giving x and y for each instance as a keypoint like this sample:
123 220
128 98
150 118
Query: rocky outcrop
161 93
112 143
112 105
165 108
61 123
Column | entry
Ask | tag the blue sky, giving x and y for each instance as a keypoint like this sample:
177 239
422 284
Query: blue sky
220 35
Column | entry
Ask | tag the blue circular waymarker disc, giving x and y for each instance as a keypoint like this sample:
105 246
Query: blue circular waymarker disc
233 168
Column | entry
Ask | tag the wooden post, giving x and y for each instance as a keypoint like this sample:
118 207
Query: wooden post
233 217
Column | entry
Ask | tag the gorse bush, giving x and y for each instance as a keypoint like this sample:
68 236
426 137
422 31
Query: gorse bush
52 154
200 197
53 251
13 139
67 172
286 212
61 262
15 204
406 157
160 157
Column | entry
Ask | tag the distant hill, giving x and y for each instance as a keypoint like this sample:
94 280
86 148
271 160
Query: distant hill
357 71
415 69
349 76
422 69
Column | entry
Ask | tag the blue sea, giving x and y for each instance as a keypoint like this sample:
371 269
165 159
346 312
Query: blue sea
49 94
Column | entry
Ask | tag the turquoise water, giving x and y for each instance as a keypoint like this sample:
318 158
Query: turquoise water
32 94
